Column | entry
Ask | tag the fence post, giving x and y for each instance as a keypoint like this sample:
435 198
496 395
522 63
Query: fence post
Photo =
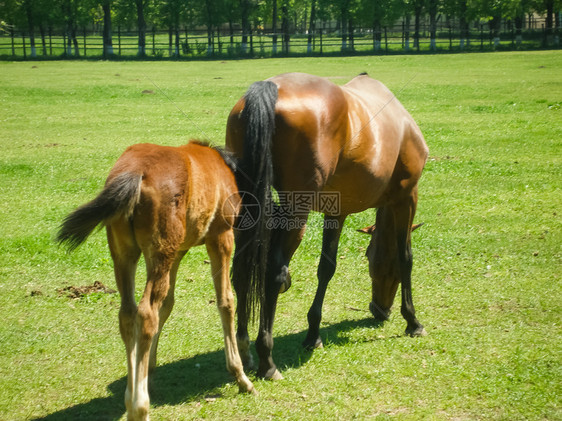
84 41
50 41
153 40
450 38
119 38
24 51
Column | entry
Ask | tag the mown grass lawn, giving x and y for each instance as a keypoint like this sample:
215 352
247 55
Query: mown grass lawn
487 268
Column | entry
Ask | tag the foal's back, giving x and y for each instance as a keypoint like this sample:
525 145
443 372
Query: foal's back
187 193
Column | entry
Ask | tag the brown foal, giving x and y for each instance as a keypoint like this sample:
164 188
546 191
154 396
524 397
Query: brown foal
161 201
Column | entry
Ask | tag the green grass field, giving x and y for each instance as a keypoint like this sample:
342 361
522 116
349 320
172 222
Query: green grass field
487 269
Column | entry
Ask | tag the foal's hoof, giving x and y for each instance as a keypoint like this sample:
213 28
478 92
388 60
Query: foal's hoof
416 332
249 390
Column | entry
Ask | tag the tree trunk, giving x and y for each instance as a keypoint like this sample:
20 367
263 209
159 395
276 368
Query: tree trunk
495 27
285 27
177 49
463 24
311 26
417 11
43 38
518 29
245 6
107 36
31 27
141 25
274 27
73 30
433 24
350 34
548 23
343 12
377 33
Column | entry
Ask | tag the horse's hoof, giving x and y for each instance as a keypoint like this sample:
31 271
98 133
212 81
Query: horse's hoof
311 345
417 332
271 374
286 284
378 313
251 390
275 376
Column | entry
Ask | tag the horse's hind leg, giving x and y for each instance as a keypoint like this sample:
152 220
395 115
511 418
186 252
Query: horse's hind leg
146 325
125 254
326 269
219 249
166 309
242 337
404 216
284 243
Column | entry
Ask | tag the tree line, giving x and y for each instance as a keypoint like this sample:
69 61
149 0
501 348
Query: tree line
278 18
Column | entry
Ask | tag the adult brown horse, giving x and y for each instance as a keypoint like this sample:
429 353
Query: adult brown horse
161 201
314 142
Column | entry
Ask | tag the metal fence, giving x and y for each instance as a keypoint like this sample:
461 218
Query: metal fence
325 41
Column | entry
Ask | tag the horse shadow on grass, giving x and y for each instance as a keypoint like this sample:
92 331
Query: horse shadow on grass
196 377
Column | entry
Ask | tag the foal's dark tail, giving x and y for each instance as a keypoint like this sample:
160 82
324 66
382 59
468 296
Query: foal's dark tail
254 176
119 197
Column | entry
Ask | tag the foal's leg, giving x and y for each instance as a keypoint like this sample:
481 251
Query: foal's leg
283 245
220 249
125 254
326 268
166 309
404 216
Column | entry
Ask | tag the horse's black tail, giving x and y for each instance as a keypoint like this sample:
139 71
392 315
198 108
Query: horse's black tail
119 197
254 175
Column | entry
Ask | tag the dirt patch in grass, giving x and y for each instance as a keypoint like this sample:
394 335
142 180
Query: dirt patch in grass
76 293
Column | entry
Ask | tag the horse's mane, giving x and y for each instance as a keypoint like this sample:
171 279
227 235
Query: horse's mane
228 157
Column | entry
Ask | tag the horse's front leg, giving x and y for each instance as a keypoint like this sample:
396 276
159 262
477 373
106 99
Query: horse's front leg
404 215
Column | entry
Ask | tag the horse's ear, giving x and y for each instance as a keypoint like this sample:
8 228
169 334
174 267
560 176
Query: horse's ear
367 230
416 226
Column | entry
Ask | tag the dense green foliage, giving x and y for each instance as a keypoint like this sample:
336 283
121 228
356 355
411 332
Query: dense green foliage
283 17
487 262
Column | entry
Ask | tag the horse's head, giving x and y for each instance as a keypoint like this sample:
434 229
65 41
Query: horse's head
384 270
